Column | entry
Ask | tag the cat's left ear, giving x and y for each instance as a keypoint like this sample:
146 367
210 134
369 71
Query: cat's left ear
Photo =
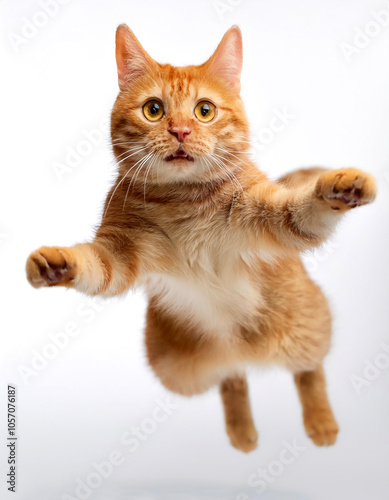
226 61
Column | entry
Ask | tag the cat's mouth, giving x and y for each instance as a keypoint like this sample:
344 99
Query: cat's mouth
180 154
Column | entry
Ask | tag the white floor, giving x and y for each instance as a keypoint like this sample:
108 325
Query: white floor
77 411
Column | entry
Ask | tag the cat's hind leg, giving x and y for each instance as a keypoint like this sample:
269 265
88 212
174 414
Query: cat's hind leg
319 421
239 423
187 363
184 361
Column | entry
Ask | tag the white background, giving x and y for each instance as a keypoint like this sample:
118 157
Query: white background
74 411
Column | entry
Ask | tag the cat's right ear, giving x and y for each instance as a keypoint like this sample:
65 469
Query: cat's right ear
131 58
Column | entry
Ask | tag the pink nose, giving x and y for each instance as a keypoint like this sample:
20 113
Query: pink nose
180 132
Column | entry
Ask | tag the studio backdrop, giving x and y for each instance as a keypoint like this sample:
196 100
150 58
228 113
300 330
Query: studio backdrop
83 416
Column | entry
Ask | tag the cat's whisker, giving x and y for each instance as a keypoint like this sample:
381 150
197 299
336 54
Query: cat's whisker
243 140
221 167
141 162
127 141
114 191
241 136
138 171
136 149
232 162
231 151
159 155
222 158
227 171
109 144
130 181
132 154
203 163
208 165
129 150
240 168
127 144
119 183
153 159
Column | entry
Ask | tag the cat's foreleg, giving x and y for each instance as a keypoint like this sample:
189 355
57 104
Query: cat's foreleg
93 268
302 213
239 423
319 421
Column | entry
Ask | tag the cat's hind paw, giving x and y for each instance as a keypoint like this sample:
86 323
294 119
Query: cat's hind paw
321 427
243 436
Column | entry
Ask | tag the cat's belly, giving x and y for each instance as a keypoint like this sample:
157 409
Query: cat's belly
217 305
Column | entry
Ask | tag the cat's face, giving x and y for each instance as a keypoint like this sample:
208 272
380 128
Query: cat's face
178 124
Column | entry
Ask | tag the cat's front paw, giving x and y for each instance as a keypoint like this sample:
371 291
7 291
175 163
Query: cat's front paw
346 188
51 266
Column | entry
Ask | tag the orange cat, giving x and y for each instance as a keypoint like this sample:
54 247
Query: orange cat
215 243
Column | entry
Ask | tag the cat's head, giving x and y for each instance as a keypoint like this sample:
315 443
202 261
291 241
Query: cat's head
178 124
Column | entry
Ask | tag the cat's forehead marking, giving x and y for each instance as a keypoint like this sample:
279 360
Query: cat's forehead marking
179 82
181 86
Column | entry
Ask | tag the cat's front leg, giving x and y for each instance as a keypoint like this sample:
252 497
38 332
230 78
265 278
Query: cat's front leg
89 268
302 210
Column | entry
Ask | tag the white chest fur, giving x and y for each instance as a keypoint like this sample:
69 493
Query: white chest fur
214 295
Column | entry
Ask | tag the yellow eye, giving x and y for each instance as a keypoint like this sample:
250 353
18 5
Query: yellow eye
153 111
205 111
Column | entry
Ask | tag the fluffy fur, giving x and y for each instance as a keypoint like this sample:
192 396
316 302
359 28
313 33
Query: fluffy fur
215 243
